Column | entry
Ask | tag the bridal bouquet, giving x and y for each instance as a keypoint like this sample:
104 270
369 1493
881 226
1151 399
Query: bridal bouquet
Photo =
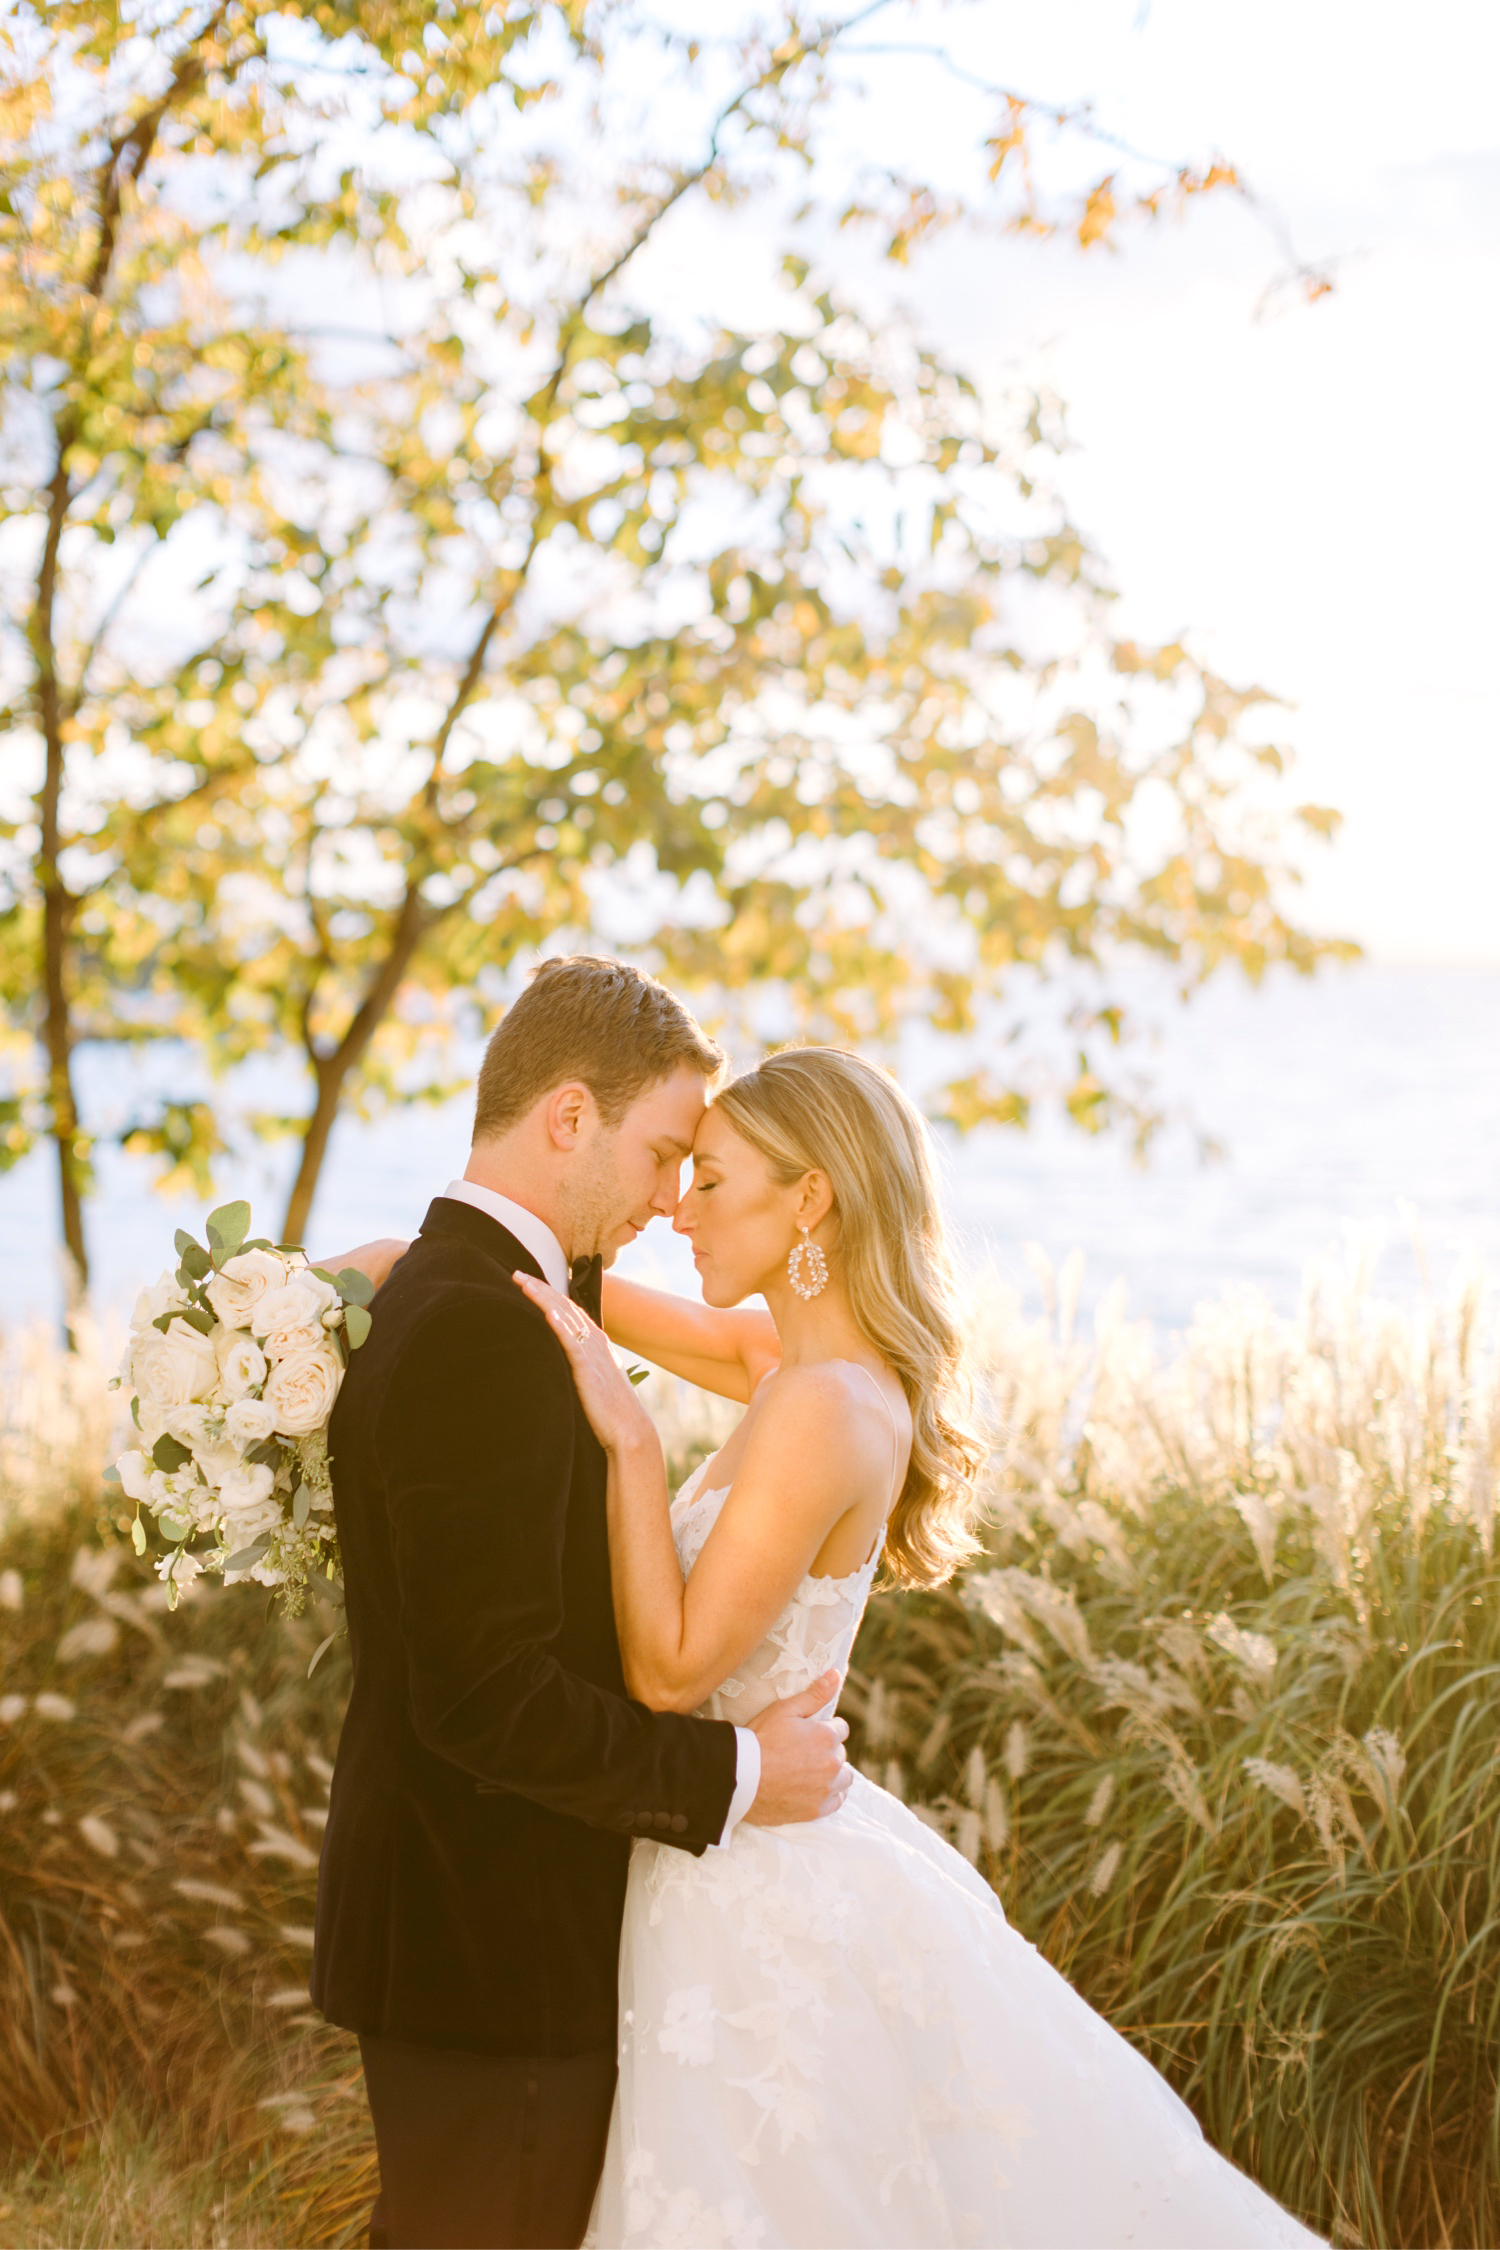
234 1362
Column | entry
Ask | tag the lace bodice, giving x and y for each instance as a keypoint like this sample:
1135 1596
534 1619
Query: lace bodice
814 1633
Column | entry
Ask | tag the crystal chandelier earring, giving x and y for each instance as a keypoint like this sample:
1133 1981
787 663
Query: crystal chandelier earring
807 1268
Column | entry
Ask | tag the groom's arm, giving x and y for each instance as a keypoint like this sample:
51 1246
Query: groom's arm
476 1444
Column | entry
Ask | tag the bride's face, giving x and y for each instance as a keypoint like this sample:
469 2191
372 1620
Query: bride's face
738 1217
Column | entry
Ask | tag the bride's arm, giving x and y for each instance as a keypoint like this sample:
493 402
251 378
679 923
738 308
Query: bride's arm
807 1462
373 1259
727 1352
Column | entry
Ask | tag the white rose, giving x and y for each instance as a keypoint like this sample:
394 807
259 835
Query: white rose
291 1318
249 1422
194 1426
240 1285
163 1296
242 1363
171 1370
302 1387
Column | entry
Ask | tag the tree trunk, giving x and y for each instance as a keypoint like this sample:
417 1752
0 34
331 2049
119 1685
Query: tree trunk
331 1071
314 1148
57 902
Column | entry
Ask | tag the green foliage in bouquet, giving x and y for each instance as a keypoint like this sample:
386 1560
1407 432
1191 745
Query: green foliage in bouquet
236 1359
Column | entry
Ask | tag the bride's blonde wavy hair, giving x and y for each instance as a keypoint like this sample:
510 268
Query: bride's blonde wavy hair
820 1109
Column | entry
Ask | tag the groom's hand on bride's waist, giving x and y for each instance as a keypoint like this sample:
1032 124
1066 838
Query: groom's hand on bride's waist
803 1770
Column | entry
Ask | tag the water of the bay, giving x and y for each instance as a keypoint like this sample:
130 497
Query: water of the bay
1361 1100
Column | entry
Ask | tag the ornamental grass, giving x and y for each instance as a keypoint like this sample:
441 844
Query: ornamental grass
1217 1712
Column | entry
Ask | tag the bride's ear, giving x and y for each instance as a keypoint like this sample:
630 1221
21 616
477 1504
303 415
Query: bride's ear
814 1201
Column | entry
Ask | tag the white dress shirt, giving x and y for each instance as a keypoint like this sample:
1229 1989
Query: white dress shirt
535 1235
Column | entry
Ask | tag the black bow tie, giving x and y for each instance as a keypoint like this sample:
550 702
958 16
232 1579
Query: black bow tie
586 1285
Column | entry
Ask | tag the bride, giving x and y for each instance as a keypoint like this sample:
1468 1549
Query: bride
829 2034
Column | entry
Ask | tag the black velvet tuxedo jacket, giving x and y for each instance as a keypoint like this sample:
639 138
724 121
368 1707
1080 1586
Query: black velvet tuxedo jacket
492 1770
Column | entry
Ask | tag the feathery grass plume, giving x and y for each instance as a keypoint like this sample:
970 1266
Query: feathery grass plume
1287 1704
1288 1912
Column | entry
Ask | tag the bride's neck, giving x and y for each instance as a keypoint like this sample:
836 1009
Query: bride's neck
817 1328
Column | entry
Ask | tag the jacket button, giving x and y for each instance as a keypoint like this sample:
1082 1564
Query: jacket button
679 1823
664 1822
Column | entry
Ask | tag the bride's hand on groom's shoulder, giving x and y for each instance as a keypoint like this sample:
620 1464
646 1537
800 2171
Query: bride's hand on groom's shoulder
373 1259
618 1419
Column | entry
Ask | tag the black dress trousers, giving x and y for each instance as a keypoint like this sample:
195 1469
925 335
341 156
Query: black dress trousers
485 2152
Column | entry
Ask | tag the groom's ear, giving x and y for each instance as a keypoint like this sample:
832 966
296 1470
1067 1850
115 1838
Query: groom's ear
568 1113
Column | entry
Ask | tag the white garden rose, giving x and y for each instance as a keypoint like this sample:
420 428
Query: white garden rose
196 1426
242 1363
302 1387
171 1370
290 1319
249 1421
240 1285
163 1296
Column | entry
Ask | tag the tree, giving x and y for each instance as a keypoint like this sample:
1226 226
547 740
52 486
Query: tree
493 588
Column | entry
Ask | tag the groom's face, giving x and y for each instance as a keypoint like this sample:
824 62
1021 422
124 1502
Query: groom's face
631 1173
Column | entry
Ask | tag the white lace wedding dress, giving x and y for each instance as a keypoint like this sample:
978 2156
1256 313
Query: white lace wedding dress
832 2039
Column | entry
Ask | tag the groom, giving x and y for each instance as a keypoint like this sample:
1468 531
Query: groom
492 1770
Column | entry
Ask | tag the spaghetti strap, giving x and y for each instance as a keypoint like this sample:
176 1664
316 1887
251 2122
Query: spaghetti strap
895 1433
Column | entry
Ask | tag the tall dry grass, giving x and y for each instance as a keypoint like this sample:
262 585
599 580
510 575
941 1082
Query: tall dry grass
1217 1713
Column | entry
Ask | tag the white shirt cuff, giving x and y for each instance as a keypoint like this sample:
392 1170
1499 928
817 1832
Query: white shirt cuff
746 1781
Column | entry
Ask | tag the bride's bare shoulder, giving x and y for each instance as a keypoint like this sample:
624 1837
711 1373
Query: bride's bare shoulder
830 1405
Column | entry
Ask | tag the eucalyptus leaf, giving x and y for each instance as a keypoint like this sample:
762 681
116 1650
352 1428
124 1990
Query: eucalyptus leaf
247 1557
266 1455
110 1475
301 1506
354 1287
183 1242
319 1652
227 1229
357 1325
168 1454
173 1528
196 1262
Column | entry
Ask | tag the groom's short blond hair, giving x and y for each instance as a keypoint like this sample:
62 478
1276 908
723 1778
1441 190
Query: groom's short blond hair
602 1023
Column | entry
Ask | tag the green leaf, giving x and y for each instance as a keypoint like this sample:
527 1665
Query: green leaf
249 1556
196 1317
169 1455
354 1287
183 1242
173 1528
196 1262
227 1229
637 1374
301 1506
319 1652
357 1325
267 1454
110 1475
138 1535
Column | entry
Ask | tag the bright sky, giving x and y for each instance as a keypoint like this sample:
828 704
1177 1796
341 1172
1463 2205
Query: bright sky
1313 491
